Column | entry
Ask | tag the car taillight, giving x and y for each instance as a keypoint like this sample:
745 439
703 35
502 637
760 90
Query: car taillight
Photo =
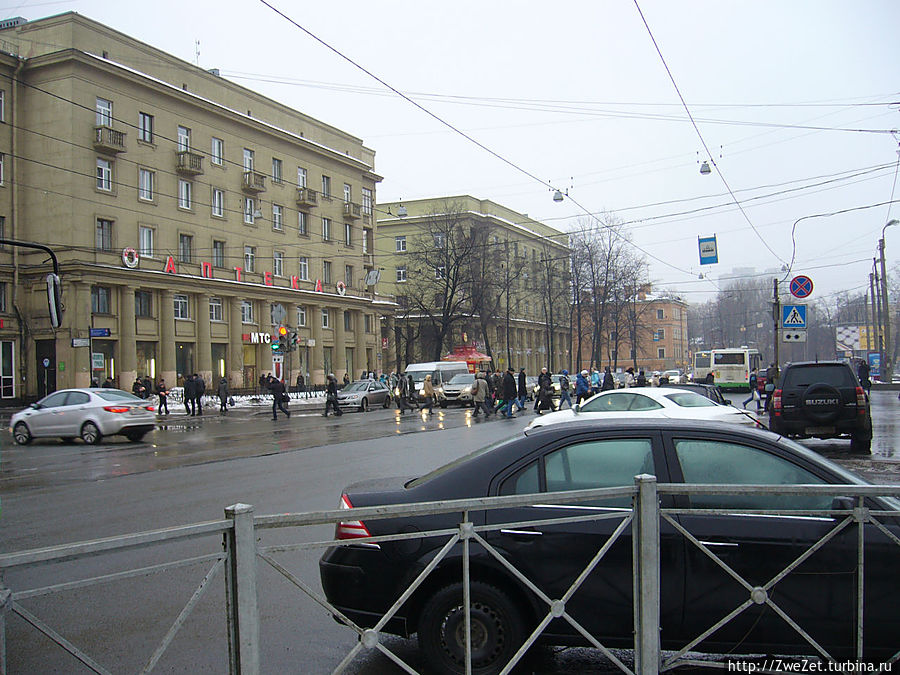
149 407
350 529
116 409
776 402
860 401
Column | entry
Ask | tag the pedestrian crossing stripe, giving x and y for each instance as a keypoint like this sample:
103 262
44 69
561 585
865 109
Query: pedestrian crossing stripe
794 318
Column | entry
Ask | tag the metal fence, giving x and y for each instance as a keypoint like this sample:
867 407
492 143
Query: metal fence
242 553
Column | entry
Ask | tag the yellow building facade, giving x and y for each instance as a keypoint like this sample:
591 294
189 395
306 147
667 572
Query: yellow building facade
192 218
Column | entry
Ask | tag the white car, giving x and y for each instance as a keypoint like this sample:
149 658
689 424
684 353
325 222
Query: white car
89 414
651 402
675 376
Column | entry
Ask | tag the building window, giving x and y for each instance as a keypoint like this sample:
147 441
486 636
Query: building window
348 235
248 159
100 299
184 139
326 186
439 240
348 193
218 253
367 201
304 268
185 247
659 334
103 240
326 229
104 174
348 321
278 264
660 314
215 309
246 311
184 194
145 127
218 202
142 303
440 272
400 244
661 353
301 177
326 271
249 258
2 105
277 217
326 318
104 112
249 210
301 316
365 240
2 165
217 154
145 184
401 274
181 306
145 241
301 224
277 176
2 297
368 324
348 275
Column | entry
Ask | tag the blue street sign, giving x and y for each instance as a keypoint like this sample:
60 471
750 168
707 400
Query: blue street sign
709 251
801 286
793 317
874 364
100 332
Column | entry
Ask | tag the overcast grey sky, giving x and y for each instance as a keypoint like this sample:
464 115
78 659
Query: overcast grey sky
794 99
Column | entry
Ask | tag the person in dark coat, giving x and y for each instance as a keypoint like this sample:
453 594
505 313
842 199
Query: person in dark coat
331 397
522 390
411 393
863 374
148 387
564 386
582 387
190 393
544 382
403 395
199 390
641 379
608 381
710 378
223 393
138 387
509 393
109 383
163 392
277 389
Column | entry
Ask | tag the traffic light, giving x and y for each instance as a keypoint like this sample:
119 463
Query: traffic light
276 345
54 300
294 340
282 340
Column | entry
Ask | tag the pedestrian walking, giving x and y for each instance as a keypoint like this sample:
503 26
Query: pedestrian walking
411 392
138 388
480 396
564 385
109 383
582 387
346 379
771 376
331 397
163 392
428 393
223 394
595 380
863 372
629 377
608 381
543 398
509 393
402 393
276 387
190 391
754 393
641 379
199 391
522 389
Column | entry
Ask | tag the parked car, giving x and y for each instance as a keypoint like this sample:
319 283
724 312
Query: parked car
822 399
363 394
89 414
675 376
364 580
710 391
459 389
646 402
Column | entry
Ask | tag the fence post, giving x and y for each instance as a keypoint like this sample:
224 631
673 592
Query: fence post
241 591
645 538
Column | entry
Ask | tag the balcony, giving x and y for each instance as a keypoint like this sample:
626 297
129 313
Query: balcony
253 181
190 163
306 197
352 211
108 140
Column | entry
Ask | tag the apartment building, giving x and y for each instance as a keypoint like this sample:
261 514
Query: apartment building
471 272
192 218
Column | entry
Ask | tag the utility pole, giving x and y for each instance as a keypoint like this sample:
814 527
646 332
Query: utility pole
776 318
880 321
887 361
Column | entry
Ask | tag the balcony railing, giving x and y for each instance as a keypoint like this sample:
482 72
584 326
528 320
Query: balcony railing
107 139
188 162
254 181
352 211
306 197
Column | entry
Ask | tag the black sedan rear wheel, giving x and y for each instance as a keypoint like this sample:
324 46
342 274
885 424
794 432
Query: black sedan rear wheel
497 630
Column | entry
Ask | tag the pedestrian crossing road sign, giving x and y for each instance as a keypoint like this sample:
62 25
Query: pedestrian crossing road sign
793 317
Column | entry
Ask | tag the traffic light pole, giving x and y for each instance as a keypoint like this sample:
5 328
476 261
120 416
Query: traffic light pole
776 318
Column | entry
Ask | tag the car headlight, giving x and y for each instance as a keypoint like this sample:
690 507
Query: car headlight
352 396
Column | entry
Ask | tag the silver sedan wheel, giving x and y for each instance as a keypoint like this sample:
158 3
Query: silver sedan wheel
90 434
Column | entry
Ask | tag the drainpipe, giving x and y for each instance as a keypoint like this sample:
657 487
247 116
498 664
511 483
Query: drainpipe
14 221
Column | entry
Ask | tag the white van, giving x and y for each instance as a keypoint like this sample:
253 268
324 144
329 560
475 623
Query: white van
440 371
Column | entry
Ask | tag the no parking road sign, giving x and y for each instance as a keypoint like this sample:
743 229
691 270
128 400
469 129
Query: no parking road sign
801 286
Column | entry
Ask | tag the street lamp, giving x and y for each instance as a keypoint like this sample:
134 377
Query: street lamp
887 359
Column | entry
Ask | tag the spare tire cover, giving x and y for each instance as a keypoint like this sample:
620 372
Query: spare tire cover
821 402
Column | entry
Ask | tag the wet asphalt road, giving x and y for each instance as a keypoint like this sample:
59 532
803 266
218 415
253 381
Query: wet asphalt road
190 469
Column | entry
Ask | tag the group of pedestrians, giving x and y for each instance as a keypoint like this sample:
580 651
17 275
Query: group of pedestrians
505 393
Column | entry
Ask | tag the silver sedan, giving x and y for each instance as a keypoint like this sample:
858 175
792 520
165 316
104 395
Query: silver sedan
89 414
364 394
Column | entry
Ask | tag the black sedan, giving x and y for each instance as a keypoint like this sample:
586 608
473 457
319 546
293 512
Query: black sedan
363 580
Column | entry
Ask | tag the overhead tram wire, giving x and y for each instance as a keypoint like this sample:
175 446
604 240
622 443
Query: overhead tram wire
700 136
